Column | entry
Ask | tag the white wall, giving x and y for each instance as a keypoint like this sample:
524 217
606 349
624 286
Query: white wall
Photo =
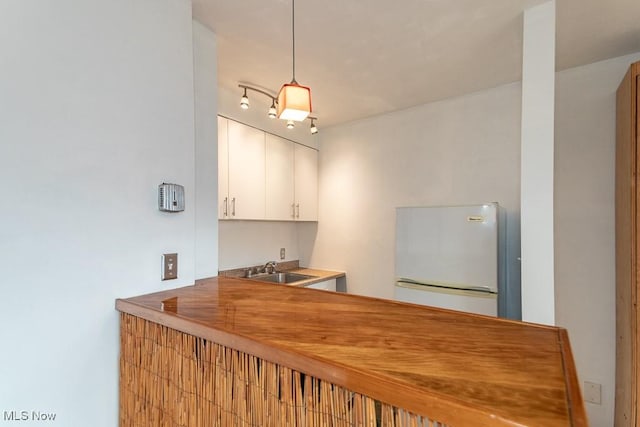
97 110
246 243
585 222
536 174
458 151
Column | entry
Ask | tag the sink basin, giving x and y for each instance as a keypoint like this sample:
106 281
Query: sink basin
281 277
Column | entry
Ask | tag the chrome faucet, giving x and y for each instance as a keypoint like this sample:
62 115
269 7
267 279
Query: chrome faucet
270 267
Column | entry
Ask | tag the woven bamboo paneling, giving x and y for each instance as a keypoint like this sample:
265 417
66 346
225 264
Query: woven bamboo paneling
172 379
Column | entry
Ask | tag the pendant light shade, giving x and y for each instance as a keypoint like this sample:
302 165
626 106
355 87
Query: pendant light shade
294 102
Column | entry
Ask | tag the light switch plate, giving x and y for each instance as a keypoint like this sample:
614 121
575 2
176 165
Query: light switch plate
593 393
169 266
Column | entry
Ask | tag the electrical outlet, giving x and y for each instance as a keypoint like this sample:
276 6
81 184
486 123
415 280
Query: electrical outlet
282 253
593 392
169 266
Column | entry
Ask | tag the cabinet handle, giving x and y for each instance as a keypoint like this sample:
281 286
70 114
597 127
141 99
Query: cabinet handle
298 210
233 207
293 210
225 210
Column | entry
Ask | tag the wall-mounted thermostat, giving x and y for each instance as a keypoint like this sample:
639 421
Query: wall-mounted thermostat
170 197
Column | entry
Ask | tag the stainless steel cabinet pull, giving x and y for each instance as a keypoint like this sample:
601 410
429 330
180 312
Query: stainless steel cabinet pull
298 210
233 207
293 210
225 211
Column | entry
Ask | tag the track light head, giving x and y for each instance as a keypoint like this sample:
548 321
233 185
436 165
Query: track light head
244 101
273 113
290 124
313 128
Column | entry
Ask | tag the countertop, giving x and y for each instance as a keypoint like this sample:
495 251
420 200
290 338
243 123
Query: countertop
427 360
318 276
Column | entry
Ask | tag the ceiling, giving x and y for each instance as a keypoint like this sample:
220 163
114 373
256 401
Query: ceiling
363 58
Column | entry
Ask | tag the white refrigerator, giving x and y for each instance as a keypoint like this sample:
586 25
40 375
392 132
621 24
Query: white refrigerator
452 257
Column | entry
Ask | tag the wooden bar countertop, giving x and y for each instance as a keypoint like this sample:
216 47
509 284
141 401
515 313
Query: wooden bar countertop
459 368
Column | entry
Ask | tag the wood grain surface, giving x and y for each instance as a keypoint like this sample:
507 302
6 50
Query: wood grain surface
460 368
627 241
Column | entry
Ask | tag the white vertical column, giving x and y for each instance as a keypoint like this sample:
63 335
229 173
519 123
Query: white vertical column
206 151
538 87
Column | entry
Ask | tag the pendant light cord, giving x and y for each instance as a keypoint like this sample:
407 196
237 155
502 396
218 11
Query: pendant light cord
293 32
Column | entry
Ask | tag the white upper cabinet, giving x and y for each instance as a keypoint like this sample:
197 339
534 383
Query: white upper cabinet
279 179
292 181
264 177
245 198
306 183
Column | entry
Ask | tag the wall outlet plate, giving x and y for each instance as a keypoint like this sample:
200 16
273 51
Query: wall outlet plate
169 266
592 393
282 252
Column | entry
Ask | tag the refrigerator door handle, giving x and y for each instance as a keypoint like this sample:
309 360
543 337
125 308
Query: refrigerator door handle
415 283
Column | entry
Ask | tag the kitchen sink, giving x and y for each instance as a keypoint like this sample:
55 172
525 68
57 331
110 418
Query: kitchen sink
280 277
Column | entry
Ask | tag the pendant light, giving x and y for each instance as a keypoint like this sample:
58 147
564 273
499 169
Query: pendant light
294 100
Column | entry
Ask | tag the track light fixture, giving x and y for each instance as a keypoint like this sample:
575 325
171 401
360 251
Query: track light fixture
273 109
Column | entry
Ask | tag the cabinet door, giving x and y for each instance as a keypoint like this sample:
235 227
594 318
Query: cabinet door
246 171
306 183
223 169
279 178
327 285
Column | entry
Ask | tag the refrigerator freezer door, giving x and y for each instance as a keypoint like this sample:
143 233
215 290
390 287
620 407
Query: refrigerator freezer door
453 299
457 245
